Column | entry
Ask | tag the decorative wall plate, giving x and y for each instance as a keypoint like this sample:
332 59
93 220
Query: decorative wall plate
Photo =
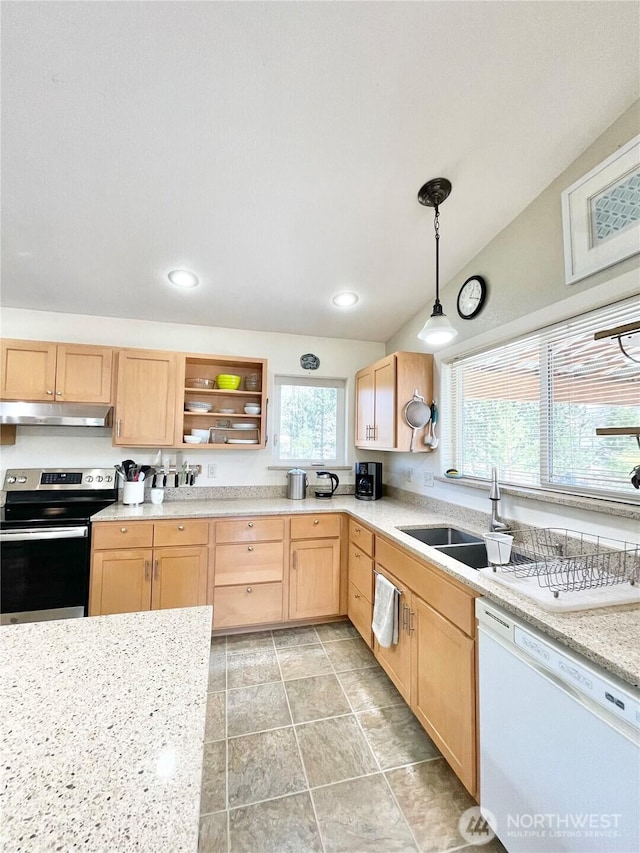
309 361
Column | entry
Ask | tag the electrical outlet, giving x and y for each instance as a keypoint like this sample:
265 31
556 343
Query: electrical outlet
409 475
428 478
212 471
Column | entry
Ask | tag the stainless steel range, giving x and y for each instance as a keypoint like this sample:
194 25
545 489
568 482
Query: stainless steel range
45 531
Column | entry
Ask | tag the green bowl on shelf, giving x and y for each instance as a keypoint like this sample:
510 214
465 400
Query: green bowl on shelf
228 381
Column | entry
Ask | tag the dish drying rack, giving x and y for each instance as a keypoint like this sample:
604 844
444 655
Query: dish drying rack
565 560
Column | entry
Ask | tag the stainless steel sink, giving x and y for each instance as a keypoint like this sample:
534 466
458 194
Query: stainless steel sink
473 554
441 535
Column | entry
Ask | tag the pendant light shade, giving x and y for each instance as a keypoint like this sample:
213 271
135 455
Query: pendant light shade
437 331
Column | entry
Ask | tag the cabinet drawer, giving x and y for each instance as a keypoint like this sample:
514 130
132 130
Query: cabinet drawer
431 585
361 571
257 563
181 531
362 537
360 613
315 526
250 530
122 535
234 606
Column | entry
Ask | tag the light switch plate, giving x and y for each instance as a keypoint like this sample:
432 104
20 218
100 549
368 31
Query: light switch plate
428 478
212 471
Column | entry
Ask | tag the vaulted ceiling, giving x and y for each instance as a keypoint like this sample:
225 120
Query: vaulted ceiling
276 149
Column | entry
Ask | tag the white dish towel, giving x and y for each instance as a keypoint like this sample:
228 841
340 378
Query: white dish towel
385 612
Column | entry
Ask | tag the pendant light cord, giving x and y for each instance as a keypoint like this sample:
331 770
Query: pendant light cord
437 307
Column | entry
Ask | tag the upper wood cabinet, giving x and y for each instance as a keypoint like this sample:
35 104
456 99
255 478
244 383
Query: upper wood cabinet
383 389
145 405
62 373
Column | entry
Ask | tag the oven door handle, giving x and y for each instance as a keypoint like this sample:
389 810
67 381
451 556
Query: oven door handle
33 534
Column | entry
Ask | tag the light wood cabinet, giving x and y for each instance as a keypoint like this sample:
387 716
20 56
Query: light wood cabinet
139 566
145 405
360 565
383 389
433 664
48 372
223 425
314 582
249 577
315 579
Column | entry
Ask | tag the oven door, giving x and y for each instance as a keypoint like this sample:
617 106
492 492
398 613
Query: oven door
44 573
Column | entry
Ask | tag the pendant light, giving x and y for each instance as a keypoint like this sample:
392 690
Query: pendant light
437 331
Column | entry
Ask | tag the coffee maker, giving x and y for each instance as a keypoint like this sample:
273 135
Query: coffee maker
368 481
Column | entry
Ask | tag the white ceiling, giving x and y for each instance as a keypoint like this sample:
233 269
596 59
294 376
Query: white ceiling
276 149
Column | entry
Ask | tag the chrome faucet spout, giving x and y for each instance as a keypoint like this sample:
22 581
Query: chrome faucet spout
496 522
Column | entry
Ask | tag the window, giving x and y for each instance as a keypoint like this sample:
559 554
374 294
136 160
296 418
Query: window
532 407
309 421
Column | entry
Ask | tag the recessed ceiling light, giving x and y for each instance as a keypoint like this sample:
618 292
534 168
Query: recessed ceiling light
345 300
183 278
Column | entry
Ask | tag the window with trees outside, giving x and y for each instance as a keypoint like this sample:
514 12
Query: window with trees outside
531 407
309 421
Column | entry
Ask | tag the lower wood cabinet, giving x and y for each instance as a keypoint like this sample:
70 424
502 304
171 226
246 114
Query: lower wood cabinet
361 580
314 581
128 579
252 604
433 665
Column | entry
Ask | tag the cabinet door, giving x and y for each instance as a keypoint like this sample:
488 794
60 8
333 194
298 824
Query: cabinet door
145 398
83 374
120 582
179 577
444 689
28 371
384 383
364 407
396 660
314 580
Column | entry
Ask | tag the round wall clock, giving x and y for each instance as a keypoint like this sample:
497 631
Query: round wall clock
471 297
309 361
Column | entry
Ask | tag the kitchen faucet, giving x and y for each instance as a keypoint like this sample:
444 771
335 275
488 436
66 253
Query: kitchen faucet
496 522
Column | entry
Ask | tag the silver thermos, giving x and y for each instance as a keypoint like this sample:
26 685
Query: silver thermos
296 484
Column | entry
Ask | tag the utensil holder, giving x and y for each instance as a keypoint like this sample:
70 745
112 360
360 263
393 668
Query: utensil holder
133 492
498 547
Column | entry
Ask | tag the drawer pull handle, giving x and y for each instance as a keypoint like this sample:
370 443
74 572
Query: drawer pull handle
156 570
315 521
358 530
249 589
123 530
295 560
181 527
357 556
250 548
50 393
250 524
356 595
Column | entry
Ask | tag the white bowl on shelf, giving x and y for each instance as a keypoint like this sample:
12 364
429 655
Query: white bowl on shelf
226 411
191 439
251 409
196 406
244 425
202 434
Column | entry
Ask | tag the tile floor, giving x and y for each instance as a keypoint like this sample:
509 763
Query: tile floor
309 747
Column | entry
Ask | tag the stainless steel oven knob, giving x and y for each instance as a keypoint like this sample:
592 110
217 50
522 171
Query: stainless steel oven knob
99 478
22 479
11 479
89 479
108 478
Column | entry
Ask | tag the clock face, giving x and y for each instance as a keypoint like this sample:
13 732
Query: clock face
471 297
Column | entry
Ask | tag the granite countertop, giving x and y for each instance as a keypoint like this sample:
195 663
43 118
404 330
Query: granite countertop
610 637
102 724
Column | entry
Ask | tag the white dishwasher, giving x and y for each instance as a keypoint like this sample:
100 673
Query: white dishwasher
559 744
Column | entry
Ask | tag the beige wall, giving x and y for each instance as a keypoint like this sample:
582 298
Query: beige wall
524 270
64 447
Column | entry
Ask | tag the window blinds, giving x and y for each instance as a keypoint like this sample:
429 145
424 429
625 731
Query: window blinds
531 407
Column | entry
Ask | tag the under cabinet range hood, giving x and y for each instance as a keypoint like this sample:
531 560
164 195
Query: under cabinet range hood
56 414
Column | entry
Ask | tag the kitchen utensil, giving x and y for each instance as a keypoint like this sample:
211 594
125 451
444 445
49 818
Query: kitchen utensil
157 496
133 493
228 381
417 415
435 441
325 486
498 547
251 409
297 483
128 466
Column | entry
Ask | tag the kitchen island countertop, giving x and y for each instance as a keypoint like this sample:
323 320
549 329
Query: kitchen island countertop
102 724
610 637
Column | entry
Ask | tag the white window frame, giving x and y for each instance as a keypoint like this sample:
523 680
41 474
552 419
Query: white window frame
341 426
591 321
